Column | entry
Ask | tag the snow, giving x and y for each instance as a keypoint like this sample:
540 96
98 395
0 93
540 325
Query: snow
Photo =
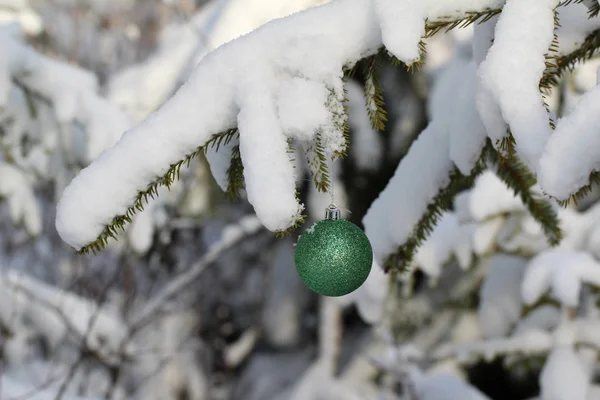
467 133
585 77
242 80
530 342
371 295
19 60
367 147
490 112
71 90
574 27
22 14
500 305
302 108
264 153
485 235
57 315
572 151
141 231
563 376
284 82
408 193
392 216
19 388
104 125
512 71
588 331
238 78
142 88
561 271
483 37
544 317
489 197
445 387
220 160
444 9
446 239
23 206
402 38
437 249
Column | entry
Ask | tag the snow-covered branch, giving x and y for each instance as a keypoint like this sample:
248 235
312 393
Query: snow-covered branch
244 83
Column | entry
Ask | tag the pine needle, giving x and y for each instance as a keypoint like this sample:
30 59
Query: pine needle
520 179
401 259
167 180
471 17
374 93
235 174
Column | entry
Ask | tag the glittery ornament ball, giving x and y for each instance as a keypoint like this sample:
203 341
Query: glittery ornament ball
333 257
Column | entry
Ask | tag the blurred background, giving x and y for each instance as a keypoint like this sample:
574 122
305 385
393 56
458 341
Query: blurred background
196 300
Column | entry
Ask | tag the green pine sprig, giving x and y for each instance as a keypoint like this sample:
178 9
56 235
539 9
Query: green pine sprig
235 174
337 104
549 78
517 176
401 259
300 217
317 163
166 180
567 62
471 17
507 145
593 11
415 66
374 93
585 190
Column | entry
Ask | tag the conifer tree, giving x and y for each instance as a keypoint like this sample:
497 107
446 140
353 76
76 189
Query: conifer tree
496 179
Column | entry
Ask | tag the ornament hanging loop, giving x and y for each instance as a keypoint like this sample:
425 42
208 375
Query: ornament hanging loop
333 212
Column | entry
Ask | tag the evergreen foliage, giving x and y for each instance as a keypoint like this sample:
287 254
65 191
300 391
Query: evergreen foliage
520 179
400 260
235 174
167 180
508 166
317 162
447 24
374 93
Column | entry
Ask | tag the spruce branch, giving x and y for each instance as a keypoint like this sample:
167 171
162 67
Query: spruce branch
167 180
374 93
594 10
337 104
545 86
549 79
401 259
471 17
585 190
520 179
507 145
344 125
300 217
235 174
569 2
317 163
415 66
593 7
555 67
298 220
584 52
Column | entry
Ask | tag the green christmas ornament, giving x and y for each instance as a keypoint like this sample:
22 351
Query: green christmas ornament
334 256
